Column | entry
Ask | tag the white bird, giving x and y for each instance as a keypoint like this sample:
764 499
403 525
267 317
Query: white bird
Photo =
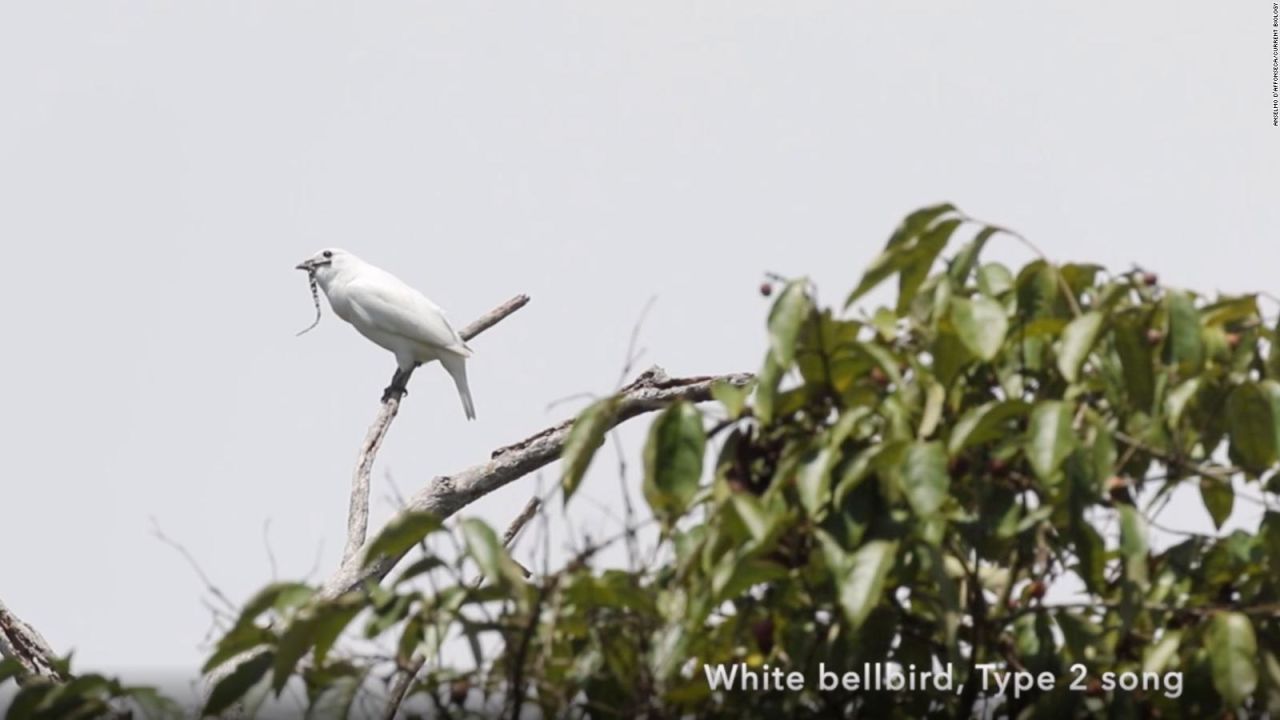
393 315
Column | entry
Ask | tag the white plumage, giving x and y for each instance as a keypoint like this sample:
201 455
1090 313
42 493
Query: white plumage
393 315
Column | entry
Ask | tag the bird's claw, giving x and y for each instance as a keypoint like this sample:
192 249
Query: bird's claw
393 392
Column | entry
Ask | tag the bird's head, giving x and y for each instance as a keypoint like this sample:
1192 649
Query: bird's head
326 263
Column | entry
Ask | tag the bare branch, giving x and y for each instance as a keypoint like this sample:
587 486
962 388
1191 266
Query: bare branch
407 674
446 495
191 560
513 530
358 512
266 543
19 641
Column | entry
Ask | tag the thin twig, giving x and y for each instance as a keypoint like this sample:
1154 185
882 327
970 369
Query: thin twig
632 354
1216 472
266 543
191 560
513 530
315 561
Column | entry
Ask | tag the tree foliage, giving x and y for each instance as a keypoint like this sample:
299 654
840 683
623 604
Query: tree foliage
968 478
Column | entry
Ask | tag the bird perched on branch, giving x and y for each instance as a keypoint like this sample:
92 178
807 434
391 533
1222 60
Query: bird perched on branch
393 315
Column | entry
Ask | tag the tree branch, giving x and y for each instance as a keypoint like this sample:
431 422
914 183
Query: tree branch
358 512
19 641
446 495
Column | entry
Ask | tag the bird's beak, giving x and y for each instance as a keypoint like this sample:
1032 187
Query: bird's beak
304 265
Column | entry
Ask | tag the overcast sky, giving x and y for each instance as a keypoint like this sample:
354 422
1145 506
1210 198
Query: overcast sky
164 165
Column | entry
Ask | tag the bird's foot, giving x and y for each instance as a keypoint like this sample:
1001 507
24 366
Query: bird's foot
394 392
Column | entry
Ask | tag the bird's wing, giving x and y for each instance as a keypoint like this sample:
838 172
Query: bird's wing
392 306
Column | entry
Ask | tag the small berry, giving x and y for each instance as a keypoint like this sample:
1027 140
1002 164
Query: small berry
1149 278
458 691
1154 336
1118 489
763 631
879 377
1036 589
1233 340
766 289
998 466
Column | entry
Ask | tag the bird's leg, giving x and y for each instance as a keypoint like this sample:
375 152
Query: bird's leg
397 389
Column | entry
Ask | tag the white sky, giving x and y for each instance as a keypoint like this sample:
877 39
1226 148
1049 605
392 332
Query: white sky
164 165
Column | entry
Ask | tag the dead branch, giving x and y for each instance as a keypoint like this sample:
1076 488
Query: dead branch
358 511
445 495
19 641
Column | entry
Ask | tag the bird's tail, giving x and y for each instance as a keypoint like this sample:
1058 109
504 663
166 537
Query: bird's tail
457 369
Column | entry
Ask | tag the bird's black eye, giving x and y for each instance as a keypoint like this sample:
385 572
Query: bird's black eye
327 254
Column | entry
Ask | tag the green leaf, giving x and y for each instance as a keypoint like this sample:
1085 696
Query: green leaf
486 549
934 397
335 698
331 620
294 643
924 477
1091 550
1163 653
1038 291
813 482
10 668
1175 403
231 688
732 397
1077 341
994 280
767 388
1230 310
673 460
754 515
1049 437
403 532
949 356
1184 347
1136 360
984 423
1253 422
1218 499
981 325
411 637
919 261
1269 534
155 706
903 249
279 596
735 576
968 255
862 582
1233 654
241 638
1133 545
585 437
789 311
